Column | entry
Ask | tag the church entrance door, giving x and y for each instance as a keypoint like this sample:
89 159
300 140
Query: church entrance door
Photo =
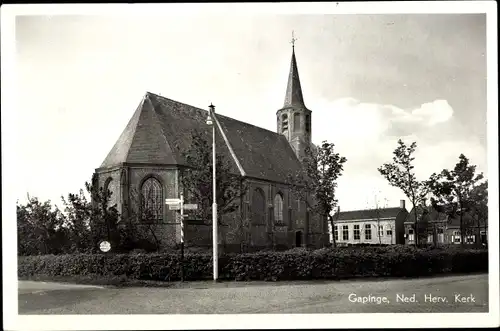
298 239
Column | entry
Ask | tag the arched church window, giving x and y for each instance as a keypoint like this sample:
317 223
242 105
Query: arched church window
258 207
278 208
152 199
284 123
308 123
108 193
296 122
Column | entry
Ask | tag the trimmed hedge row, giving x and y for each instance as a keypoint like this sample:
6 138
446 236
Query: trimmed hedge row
297 264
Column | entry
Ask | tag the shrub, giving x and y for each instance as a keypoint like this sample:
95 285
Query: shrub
296 264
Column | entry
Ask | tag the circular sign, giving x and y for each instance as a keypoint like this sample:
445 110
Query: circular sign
105 246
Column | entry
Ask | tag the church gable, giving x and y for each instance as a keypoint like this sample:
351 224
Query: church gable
142 141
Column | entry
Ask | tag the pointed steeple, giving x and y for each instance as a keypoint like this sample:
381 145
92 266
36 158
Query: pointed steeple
293 96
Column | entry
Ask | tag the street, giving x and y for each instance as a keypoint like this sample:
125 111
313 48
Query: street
425 295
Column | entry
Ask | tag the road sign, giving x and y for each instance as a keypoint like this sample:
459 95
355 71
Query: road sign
172 201
105 246
188 206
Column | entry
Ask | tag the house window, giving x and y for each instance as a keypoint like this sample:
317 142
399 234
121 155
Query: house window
336 231
470 239
456 237
345 232
368 232
258 207
296 122
440 230
381 231
152 199
278 208
356 232
411 235
389 232
284 123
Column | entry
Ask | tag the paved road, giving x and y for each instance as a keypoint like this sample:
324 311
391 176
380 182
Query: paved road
457 293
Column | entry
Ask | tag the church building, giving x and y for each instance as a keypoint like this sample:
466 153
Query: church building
147 159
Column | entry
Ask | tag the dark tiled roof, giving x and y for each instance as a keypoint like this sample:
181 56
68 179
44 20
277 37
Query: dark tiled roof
369 214
160 131
434 216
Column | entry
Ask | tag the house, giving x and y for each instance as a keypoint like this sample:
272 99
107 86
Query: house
147 160
371 226
443 229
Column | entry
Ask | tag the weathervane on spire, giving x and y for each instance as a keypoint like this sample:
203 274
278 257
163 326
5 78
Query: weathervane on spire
293 39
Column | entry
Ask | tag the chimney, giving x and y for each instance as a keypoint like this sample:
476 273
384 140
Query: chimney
402 204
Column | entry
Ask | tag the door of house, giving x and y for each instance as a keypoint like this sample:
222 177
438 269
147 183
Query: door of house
298 239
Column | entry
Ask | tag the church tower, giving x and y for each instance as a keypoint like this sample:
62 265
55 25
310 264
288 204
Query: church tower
294 119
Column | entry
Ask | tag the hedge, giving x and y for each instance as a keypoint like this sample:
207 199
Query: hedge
297 264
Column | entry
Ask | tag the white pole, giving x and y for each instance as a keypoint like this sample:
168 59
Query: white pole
182 217
182 236
214 207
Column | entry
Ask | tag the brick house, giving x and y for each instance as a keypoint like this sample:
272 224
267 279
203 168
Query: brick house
443 229
371 226
147 159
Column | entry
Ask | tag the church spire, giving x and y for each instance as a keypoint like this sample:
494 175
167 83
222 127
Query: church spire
293 96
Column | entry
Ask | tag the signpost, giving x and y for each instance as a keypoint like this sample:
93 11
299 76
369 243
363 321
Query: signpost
178 204
187 206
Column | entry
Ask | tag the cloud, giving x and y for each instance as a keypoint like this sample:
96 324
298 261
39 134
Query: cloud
367 133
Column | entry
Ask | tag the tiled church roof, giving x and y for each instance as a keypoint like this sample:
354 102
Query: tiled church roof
160 131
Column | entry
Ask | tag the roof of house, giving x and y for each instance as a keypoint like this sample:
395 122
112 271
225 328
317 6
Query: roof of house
160 132
391 212
434 216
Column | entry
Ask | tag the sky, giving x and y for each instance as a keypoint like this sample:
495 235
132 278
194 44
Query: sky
368 79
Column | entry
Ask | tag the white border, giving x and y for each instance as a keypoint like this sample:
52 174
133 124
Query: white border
12 321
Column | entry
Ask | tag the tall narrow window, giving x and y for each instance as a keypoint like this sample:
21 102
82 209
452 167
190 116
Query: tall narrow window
356 232
308 123
278 208
258 207
296 122
336 233
152 200
284 123
345 232
108 192
368 232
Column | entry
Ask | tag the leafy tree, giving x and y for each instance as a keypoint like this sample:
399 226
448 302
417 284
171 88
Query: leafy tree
197 180
316 182
40 228
456 189
378 216
91 221
400 173
479 208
